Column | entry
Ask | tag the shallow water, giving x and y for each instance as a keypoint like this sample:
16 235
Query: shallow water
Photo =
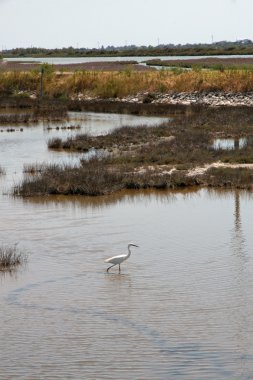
30 146
73 60
182 305
231 144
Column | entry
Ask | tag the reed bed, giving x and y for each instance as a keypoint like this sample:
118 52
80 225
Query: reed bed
240 178
98 178
13 82
94 178
210 63
123 83
189 141
118 138
144 157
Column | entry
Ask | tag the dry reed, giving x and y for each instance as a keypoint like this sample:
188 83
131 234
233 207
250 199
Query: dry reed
123 83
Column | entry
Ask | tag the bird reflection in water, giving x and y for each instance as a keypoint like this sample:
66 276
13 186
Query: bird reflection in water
238 239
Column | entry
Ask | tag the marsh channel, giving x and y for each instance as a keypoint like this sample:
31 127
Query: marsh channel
182 306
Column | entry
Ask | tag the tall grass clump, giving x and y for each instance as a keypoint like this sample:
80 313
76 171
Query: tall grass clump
12 82
93 178
106 84
11 257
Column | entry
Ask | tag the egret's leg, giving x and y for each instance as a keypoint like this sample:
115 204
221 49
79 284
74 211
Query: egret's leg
107 270
119 267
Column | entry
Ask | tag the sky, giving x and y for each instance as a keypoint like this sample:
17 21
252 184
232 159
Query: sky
93 23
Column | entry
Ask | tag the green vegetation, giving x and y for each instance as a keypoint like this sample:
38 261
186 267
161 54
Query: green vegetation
219 48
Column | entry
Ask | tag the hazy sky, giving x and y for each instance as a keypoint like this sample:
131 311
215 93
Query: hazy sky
89 23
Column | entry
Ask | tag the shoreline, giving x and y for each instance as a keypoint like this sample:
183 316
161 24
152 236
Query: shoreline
212 99
142 103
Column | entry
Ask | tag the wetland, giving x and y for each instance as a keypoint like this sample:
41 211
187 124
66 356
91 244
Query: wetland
182 304
163 156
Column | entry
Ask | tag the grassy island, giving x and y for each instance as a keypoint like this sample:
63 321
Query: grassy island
176 154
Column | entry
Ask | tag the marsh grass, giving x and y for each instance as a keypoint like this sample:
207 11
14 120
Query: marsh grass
12 82
209 63
100 177
118 138
11 258
127 167
229 177
189 142
222 121
118 84
142 157
93 178
96 177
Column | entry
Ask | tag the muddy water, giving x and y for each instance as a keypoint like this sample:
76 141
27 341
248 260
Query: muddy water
181 307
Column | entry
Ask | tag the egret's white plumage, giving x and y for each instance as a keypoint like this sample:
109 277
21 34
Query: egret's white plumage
117 260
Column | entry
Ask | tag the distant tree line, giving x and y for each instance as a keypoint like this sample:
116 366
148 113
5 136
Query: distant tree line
244 47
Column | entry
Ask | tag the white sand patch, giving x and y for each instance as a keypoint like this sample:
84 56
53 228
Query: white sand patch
202 170
157 169
199 170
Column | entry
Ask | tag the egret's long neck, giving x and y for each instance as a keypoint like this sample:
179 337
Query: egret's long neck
129 251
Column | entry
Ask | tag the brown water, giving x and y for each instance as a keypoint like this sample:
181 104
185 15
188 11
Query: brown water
182 306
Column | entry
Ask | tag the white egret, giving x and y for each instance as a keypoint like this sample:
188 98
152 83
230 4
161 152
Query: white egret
117 260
